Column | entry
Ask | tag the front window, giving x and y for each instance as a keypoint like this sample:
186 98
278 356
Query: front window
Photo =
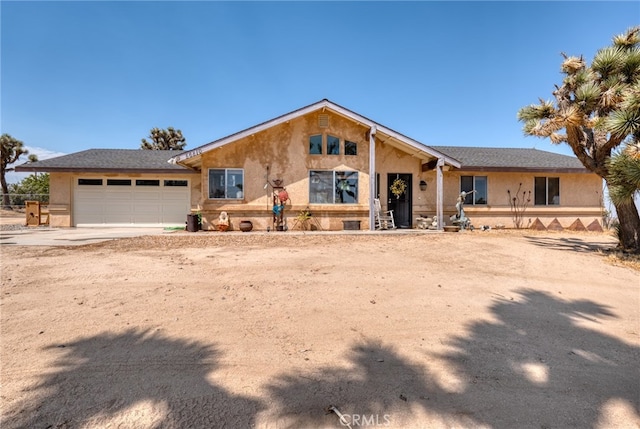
226 183
315 144
333 145
547 191
477 183
350 148
333 187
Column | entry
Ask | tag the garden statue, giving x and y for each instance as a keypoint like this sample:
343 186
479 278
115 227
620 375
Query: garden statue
460 218
223 222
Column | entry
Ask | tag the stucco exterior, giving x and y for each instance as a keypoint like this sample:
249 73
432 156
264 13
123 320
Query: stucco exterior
240 174
282 152
580 198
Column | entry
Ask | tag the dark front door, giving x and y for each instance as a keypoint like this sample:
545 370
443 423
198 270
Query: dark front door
401 204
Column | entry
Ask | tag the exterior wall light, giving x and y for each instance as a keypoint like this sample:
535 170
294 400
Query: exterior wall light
423 185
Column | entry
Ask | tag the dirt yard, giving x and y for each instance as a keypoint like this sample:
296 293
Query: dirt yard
490 329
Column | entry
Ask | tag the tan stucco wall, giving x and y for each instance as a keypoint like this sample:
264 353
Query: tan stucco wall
60 197
580 198
281 152
61 187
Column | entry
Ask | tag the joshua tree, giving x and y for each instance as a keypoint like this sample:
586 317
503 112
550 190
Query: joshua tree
12 149
596 110
624 174
169 139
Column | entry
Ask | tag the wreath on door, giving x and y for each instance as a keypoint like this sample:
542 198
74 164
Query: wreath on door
398 187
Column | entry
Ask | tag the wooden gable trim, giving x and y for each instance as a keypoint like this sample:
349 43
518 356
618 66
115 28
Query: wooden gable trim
321 105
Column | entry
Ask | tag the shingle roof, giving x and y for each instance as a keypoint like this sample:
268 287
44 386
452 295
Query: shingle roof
494 159
109 160
156 161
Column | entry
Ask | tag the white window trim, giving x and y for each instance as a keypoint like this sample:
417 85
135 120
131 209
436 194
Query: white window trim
226 170
546 190
473 200
334 184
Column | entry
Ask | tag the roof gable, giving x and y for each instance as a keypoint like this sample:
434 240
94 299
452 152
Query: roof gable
405 143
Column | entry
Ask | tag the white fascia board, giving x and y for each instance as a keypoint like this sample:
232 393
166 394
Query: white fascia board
419 147
250 131
324 104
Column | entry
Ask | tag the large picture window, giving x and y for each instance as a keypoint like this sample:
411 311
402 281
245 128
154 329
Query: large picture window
226 183
333 187
477 183
547 191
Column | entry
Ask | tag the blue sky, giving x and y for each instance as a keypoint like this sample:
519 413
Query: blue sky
80 75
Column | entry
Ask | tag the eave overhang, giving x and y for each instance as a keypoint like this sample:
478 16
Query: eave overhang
27 169
524 169
192 158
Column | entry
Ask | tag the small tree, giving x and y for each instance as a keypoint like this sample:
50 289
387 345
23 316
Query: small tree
518 204
12 149
169 139
34 187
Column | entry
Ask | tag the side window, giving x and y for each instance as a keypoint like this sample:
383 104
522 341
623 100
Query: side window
477 184
546 191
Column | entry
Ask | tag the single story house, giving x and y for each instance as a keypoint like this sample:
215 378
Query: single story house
331 163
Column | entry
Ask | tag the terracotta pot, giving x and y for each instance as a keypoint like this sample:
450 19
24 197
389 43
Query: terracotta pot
246 225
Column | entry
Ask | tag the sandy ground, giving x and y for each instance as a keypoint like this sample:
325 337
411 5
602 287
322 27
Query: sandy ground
489 329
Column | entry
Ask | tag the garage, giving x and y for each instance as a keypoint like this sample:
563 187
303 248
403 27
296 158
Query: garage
130 201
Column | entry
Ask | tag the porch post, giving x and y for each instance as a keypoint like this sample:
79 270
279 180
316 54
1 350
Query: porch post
439 194
372 176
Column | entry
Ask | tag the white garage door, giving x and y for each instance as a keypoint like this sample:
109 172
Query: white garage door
131 202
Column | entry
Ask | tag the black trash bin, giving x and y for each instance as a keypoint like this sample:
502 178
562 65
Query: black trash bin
193 223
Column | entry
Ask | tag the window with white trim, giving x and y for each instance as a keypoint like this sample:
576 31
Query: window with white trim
226 183
333 187
477 184
546 191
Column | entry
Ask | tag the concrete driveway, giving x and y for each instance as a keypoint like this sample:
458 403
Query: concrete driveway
43 236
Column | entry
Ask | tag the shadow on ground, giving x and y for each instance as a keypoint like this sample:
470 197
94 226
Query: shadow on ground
537 364
134 379
534 367
570 243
